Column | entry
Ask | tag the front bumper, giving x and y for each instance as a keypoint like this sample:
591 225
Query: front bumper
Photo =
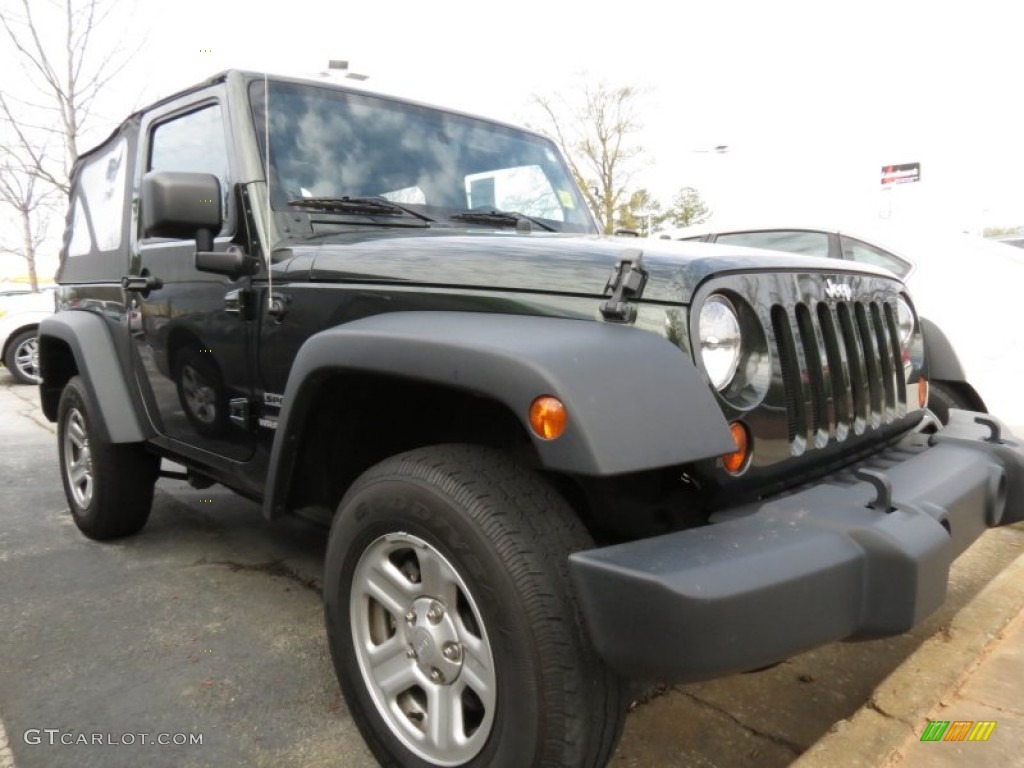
824 563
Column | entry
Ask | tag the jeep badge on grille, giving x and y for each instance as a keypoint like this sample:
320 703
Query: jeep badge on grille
837 290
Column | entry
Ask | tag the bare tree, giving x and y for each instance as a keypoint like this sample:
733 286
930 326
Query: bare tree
596 132
31 200
64 69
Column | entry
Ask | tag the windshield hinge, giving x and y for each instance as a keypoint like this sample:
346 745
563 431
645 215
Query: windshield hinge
626 283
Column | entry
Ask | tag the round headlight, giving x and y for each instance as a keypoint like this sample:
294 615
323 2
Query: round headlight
905 319
719 333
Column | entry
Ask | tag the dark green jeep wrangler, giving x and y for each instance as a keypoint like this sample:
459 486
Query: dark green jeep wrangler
553 462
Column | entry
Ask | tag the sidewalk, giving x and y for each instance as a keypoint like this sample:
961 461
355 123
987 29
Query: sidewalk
992 691
973 671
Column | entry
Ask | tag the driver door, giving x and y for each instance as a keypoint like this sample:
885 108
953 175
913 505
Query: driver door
194 348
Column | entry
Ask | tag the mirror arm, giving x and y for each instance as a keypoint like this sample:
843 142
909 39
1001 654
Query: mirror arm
233 262
204 239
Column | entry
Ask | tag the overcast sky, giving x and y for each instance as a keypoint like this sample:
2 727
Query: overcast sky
811 98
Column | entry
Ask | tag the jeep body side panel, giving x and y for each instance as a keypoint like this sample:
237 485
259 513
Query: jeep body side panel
634 400
96 358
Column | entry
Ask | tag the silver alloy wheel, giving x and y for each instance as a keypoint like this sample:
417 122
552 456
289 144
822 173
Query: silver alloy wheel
78 458
422 649
200 397
26 357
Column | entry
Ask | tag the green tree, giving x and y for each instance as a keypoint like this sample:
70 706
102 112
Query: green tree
641 213
688 208
596 130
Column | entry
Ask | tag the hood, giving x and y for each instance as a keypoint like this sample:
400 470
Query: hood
536 263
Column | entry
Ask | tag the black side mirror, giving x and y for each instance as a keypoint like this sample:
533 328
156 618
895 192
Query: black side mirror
181 205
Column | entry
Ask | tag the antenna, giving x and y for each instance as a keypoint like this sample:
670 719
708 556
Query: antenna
266 223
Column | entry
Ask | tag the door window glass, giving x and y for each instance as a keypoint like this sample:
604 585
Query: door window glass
193 143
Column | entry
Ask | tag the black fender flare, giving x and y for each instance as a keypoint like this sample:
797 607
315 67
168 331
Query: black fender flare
941 361
635 401
943 365
88 337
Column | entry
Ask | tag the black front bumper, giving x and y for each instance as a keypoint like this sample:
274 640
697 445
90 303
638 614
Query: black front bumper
824 563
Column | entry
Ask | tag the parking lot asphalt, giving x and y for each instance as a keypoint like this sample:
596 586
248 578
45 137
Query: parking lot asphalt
209 623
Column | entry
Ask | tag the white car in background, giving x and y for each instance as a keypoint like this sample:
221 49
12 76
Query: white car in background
20 315
970 288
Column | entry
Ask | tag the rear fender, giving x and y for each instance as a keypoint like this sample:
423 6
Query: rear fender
88 338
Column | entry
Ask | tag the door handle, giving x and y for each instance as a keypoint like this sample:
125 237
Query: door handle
141 283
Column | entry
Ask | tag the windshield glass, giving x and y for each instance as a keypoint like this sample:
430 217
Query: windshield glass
328 143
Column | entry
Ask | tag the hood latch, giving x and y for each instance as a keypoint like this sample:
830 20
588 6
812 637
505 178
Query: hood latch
626 284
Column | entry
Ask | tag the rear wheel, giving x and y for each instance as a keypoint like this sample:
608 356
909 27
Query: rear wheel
109 487
452 621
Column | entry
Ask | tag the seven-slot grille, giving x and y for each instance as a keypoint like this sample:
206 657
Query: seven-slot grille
841 367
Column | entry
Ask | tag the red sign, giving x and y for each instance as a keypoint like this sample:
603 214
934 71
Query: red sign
901 174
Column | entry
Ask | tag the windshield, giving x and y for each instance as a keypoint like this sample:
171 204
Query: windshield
329 143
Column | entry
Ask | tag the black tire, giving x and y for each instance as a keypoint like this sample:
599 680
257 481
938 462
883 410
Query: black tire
501 537
201 392
942 397
109 487
22 358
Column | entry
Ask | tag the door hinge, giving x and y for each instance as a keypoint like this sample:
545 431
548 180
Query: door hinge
626 284
239 302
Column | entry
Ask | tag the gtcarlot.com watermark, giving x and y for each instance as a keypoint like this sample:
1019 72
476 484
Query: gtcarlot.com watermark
60 737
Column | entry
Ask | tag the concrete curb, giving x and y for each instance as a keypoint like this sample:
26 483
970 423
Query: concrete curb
899 707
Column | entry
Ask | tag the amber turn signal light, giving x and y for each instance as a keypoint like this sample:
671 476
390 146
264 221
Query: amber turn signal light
548 417
736 461
922 392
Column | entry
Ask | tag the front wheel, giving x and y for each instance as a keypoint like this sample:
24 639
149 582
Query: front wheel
452 621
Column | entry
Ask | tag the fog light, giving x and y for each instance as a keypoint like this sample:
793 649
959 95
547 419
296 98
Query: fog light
922 392
548 417
737 461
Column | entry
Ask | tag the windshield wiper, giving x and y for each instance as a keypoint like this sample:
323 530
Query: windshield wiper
506 218
373 206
